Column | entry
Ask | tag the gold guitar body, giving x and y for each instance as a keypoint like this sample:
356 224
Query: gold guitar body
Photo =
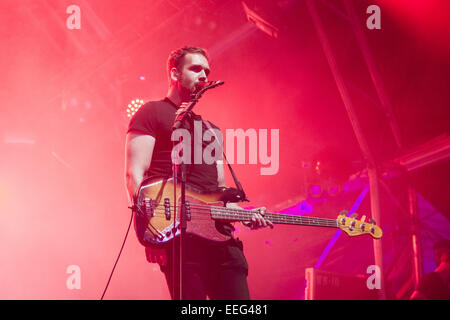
155 223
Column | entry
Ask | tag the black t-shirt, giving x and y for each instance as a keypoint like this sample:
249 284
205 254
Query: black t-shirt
433 287
156 118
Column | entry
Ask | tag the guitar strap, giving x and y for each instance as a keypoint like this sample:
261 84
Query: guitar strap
236 181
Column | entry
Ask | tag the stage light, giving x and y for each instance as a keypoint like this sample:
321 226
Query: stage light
259 21
306 207
315 191
134 106
333 190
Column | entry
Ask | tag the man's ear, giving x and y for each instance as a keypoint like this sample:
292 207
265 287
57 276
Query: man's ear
174 74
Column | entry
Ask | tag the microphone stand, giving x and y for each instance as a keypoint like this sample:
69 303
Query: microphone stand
178 168
182 226
181 167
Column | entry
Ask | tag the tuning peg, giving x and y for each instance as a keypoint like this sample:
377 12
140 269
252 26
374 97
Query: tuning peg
372 221
354 215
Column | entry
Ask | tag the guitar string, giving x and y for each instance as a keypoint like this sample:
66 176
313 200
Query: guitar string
334 222
314 221
223 212
282 218
247 212
162 215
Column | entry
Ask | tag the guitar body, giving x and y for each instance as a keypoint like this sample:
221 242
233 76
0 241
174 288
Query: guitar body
154 219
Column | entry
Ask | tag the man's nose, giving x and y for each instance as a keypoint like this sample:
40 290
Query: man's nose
202 77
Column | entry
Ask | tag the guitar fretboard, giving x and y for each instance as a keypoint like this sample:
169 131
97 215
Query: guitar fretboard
221 213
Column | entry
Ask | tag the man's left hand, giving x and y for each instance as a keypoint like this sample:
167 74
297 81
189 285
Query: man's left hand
257 221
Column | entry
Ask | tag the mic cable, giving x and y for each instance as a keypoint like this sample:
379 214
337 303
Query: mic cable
120 252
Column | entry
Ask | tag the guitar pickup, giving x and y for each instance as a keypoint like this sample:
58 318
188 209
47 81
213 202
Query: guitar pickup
149 207
167 208
188 211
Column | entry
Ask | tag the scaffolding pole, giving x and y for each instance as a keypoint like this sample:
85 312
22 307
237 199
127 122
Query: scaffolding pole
373 71
417 252
373 179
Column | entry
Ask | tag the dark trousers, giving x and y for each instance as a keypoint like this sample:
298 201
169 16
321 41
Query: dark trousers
216 270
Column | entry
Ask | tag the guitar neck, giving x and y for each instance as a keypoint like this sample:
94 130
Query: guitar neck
221 213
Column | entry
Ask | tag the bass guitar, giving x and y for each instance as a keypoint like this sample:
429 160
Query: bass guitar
155 210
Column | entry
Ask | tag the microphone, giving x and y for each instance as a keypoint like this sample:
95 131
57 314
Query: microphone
211 84
218 83
200 87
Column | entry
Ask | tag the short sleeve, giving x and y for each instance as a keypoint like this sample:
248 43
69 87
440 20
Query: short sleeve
145 120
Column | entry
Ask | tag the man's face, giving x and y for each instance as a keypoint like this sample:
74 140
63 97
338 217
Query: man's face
194 70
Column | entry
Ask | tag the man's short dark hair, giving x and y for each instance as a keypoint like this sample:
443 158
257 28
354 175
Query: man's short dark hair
176 57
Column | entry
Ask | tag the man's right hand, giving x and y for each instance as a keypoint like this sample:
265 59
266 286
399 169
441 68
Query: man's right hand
156 255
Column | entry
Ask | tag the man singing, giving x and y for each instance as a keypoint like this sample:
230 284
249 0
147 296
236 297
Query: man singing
214 269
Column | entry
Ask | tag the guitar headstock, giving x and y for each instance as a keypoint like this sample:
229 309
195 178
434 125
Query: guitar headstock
354 227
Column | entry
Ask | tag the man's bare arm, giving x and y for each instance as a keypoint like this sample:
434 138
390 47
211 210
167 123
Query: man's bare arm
138 156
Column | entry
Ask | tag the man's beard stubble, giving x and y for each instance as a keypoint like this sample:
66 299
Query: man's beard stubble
187 93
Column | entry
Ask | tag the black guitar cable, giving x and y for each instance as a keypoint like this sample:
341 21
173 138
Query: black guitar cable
120 252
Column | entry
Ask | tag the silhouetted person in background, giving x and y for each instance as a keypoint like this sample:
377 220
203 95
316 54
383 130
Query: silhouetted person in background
436 284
